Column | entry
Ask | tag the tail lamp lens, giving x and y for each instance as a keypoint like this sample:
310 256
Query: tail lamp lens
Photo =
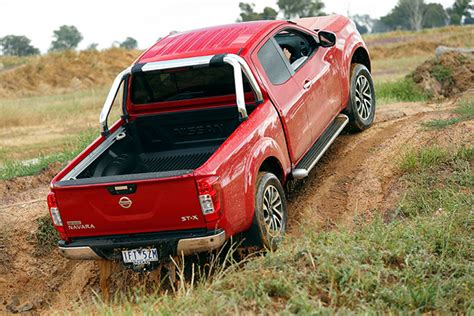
209 197
54 210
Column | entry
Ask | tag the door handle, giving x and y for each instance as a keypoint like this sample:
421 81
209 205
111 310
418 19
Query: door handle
307 84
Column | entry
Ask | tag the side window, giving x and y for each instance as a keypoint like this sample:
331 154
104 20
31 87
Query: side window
297 46
273 63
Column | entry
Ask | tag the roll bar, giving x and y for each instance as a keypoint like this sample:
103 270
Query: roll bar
238 64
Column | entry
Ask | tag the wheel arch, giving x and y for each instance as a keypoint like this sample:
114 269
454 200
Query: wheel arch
361 56
272 164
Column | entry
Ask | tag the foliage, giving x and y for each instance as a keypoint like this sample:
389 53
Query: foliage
67 37
415 15
46 236
13 45
460 9
364 22
92 46
435 16
129 43
301 8
403 90
441 123
247 13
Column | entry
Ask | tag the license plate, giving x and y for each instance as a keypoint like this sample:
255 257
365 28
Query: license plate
140 256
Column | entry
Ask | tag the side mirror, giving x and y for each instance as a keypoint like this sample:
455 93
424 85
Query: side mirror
326 39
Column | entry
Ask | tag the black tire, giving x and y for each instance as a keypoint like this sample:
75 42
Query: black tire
268 229
362 103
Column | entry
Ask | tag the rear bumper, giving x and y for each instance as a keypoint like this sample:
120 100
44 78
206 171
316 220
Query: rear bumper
168 244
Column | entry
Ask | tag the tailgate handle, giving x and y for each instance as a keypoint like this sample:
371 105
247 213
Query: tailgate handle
122 189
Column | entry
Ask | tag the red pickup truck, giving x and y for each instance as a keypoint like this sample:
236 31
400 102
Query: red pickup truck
215 122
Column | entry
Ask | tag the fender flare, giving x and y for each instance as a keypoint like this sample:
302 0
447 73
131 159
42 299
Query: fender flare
265 148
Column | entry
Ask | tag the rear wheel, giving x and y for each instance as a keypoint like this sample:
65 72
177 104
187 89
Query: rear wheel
361 107
270 216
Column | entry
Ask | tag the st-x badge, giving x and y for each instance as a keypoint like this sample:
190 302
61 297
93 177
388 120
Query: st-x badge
125 202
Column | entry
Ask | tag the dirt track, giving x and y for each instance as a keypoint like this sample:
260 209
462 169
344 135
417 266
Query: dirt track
358 176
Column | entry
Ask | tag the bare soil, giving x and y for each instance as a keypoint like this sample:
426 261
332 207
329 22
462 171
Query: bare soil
449 75
357 179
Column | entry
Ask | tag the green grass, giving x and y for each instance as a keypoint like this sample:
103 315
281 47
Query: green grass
464 112
414 160
441 123
402 90
15 168
466 108
420 261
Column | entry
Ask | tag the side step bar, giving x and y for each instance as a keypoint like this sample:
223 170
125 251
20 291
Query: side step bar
319 148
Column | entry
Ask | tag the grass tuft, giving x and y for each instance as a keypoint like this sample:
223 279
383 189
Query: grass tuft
441 123
402 90
46 236
464 112
416 160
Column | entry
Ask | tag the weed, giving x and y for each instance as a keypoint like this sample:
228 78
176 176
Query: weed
414 160
466 108
441 123
46 236
442 74
464 112
403 90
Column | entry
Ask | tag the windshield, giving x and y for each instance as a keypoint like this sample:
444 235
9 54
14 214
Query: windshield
183 84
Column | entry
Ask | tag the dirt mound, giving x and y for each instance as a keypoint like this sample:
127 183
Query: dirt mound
62 72
450 74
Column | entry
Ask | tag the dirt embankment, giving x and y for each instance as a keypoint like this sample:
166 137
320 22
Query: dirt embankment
449 75
358 178
52 73
408 44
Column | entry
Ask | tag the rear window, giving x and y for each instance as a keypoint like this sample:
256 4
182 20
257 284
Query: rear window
184 84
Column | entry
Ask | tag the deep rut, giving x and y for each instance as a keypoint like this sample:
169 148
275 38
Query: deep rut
356 177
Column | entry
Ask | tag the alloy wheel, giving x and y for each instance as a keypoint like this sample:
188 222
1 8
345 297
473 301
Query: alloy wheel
273 210
363 97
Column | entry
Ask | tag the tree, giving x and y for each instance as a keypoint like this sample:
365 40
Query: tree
365 23
380 27
407 14
247 13
129 43
460 9
14 45
92 46
301 8
435 16
66 37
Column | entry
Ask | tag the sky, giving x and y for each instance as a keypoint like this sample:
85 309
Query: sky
106 21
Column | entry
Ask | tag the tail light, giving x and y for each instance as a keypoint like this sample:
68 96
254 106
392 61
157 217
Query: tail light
209 191
55 215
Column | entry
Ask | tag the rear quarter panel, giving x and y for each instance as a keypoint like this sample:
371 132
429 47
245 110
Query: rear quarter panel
237 163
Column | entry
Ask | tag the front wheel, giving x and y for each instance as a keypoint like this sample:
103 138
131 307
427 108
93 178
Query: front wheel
361 107
270 216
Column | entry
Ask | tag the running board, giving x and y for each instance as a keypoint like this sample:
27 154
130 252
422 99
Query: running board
319 148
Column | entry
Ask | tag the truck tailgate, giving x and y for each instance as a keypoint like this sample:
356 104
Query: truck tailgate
130 207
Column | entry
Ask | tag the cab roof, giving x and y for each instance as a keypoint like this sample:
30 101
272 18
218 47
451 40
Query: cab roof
230 38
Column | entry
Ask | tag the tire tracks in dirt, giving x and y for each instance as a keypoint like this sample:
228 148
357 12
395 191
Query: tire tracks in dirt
357 177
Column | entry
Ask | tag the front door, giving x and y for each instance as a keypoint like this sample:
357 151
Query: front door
290 99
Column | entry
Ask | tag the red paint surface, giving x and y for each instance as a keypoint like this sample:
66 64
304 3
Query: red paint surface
284 127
